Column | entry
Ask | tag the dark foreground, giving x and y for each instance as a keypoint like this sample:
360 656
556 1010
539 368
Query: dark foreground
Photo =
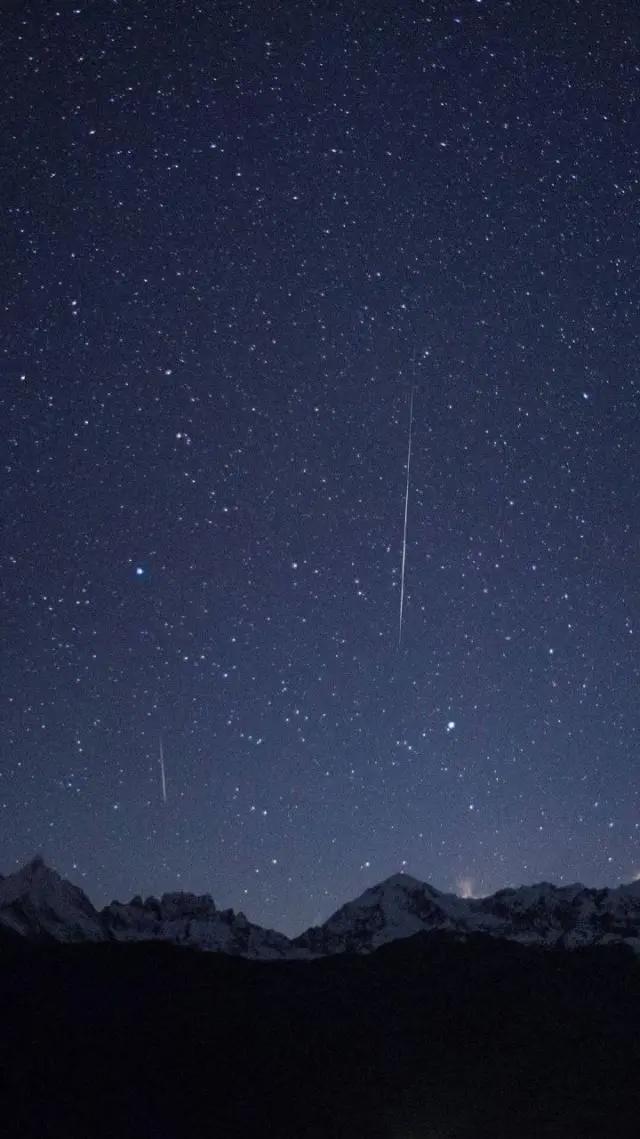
426 1039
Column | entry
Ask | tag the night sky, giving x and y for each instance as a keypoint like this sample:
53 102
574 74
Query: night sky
234 237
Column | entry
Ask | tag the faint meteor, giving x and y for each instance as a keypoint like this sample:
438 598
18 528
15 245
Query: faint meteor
406 515
162 772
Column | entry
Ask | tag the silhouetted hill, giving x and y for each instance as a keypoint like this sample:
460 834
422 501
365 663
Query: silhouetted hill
432 1036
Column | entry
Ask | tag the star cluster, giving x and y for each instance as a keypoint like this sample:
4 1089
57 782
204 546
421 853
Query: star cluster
236 237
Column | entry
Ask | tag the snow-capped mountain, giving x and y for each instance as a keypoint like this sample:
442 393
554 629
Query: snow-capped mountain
37 903
188 919
568 916
543 914
398 907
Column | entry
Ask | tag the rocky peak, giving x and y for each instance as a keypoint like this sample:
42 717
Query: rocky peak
192 920
37 902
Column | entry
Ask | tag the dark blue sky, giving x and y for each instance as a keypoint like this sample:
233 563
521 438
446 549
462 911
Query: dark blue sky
235 235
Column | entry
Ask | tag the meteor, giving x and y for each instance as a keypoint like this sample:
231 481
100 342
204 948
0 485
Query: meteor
406 515
162 772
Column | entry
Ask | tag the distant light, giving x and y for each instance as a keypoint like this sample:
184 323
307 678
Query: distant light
139 571
451 725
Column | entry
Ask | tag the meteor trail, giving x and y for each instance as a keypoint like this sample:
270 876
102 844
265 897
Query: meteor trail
162 772
406 515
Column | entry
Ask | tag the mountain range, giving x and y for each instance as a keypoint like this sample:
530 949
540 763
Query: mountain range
409 1013
38 904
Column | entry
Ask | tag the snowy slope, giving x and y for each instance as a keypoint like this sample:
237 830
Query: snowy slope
398 907
37 902
188 919
542 914
564 916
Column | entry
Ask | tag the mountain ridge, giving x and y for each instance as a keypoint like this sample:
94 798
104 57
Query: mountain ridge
37 903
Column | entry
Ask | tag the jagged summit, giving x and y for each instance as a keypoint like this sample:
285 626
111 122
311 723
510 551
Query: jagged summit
193 920
37 902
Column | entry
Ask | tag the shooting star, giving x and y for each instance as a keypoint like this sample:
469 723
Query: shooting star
162 772
406 515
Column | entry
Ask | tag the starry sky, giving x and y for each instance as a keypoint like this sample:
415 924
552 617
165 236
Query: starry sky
236 237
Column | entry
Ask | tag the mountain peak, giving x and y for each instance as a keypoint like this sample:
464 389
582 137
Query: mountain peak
36 867
397 907
34 875
403 881
36 901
